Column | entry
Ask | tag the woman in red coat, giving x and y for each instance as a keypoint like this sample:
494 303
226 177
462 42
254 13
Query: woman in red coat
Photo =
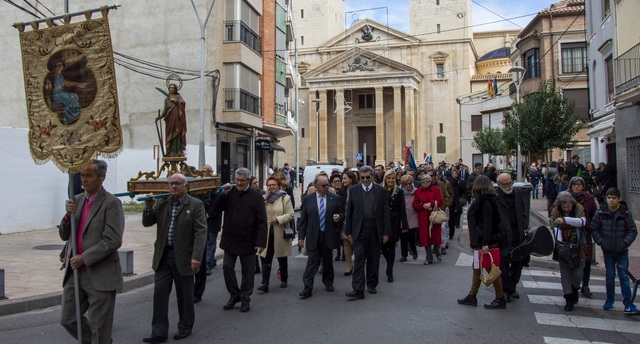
424 201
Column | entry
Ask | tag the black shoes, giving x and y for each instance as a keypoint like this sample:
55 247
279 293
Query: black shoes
586 292
244 306
372 290
497 304
390 278
182 335
330 288
231 303
443 251
283 285
507 296
515 295
263 288
358 295
154 339
305 293
403 259
469 300
197 299
415 255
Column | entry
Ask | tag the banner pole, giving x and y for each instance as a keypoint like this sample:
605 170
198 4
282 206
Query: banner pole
74 14
74 252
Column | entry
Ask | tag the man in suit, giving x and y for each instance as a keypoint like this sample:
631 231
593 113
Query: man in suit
368 227
244 230
319 231
181 238
100 220
512 202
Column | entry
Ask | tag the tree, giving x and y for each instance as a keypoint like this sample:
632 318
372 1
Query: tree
489 141
542 121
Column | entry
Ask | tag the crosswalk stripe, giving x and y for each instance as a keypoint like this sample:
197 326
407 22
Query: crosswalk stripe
545 273
556 340
558 286
560 301
587 322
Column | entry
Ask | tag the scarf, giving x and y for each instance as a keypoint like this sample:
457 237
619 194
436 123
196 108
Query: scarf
274 196
409 192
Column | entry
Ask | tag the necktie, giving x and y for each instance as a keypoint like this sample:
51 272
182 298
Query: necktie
321 210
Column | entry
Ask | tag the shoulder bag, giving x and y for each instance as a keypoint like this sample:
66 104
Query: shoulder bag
565 251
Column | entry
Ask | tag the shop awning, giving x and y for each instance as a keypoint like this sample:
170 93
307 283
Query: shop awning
603 128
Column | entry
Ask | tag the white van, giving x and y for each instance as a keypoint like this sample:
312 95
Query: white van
311 171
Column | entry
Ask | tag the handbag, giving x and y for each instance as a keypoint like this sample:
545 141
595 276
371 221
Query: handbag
493 275
566 252
288 233
438 216
480 263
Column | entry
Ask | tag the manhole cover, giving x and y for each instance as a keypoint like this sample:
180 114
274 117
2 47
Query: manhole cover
48 247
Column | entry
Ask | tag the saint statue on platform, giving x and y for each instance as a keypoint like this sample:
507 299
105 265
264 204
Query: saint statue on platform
175 119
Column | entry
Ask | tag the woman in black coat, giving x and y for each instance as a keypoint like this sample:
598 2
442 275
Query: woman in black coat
398 220
456 208
483 218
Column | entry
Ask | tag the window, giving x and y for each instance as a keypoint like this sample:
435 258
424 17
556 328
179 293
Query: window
633 163
302 132
301 40
438 28
476 122
366 101
531 64
609 63
441 128
606 8
574 57
438 2
440 70
301 14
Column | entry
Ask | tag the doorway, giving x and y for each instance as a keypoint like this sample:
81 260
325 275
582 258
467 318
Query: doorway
367 135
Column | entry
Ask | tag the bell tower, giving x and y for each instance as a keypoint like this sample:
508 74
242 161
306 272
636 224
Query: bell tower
435 20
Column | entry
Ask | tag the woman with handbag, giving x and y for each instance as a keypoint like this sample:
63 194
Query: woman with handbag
567 216
279 216
427 199
397 218
578 185
483 219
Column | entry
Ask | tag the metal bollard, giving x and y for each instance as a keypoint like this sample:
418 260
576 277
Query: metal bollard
2 284
126 261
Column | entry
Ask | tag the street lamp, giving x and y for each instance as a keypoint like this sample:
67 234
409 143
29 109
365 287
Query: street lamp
317 101
520 71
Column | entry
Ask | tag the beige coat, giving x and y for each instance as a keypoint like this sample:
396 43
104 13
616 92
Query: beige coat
282 210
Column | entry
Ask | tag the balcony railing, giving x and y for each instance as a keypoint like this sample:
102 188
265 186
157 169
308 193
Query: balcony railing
238 31
239 99
628 70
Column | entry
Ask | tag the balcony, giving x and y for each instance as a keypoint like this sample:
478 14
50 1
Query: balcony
628 75
238 31
241 108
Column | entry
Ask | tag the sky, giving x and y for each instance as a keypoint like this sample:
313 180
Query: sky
396 12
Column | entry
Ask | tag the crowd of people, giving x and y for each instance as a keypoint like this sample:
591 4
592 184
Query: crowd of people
364 213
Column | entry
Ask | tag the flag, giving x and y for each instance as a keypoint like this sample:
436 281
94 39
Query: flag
70 88
408 158
495 85
490 88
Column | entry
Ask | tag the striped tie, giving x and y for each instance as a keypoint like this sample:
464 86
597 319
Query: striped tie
321 210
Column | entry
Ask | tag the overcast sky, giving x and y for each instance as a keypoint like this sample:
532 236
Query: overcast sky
396 12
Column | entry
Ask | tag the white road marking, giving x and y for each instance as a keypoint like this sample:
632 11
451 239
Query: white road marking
560 301
556 340
464 260
558 286
587 322
545 273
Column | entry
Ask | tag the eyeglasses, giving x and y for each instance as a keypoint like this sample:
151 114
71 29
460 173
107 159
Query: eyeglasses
176 183
323 185
365 177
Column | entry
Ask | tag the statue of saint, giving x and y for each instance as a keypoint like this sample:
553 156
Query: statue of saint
176 123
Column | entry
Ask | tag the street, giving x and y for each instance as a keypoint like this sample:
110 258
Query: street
420 306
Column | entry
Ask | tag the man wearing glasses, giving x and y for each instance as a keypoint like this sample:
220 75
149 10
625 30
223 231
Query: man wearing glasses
180 242
368 227
244 230
319 231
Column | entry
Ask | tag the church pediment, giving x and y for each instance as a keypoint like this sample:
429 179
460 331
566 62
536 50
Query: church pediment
359 62
369 33
439 57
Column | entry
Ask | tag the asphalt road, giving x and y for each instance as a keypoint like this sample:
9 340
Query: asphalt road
420 306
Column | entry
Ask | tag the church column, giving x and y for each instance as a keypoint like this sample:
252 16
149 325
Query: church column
419 120
380 146
313 126
322 128
410 115
340 126
397 124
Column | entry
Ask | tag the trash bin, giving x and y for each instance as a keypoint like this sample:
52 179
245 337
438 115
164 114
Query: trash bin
526 188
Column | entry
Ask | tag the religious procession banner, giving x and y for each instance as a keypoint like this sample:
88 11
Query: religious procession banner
70 88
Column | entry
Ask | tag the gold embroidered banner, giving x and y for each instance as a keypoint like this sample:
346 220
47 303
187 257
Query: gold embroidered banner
70 88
